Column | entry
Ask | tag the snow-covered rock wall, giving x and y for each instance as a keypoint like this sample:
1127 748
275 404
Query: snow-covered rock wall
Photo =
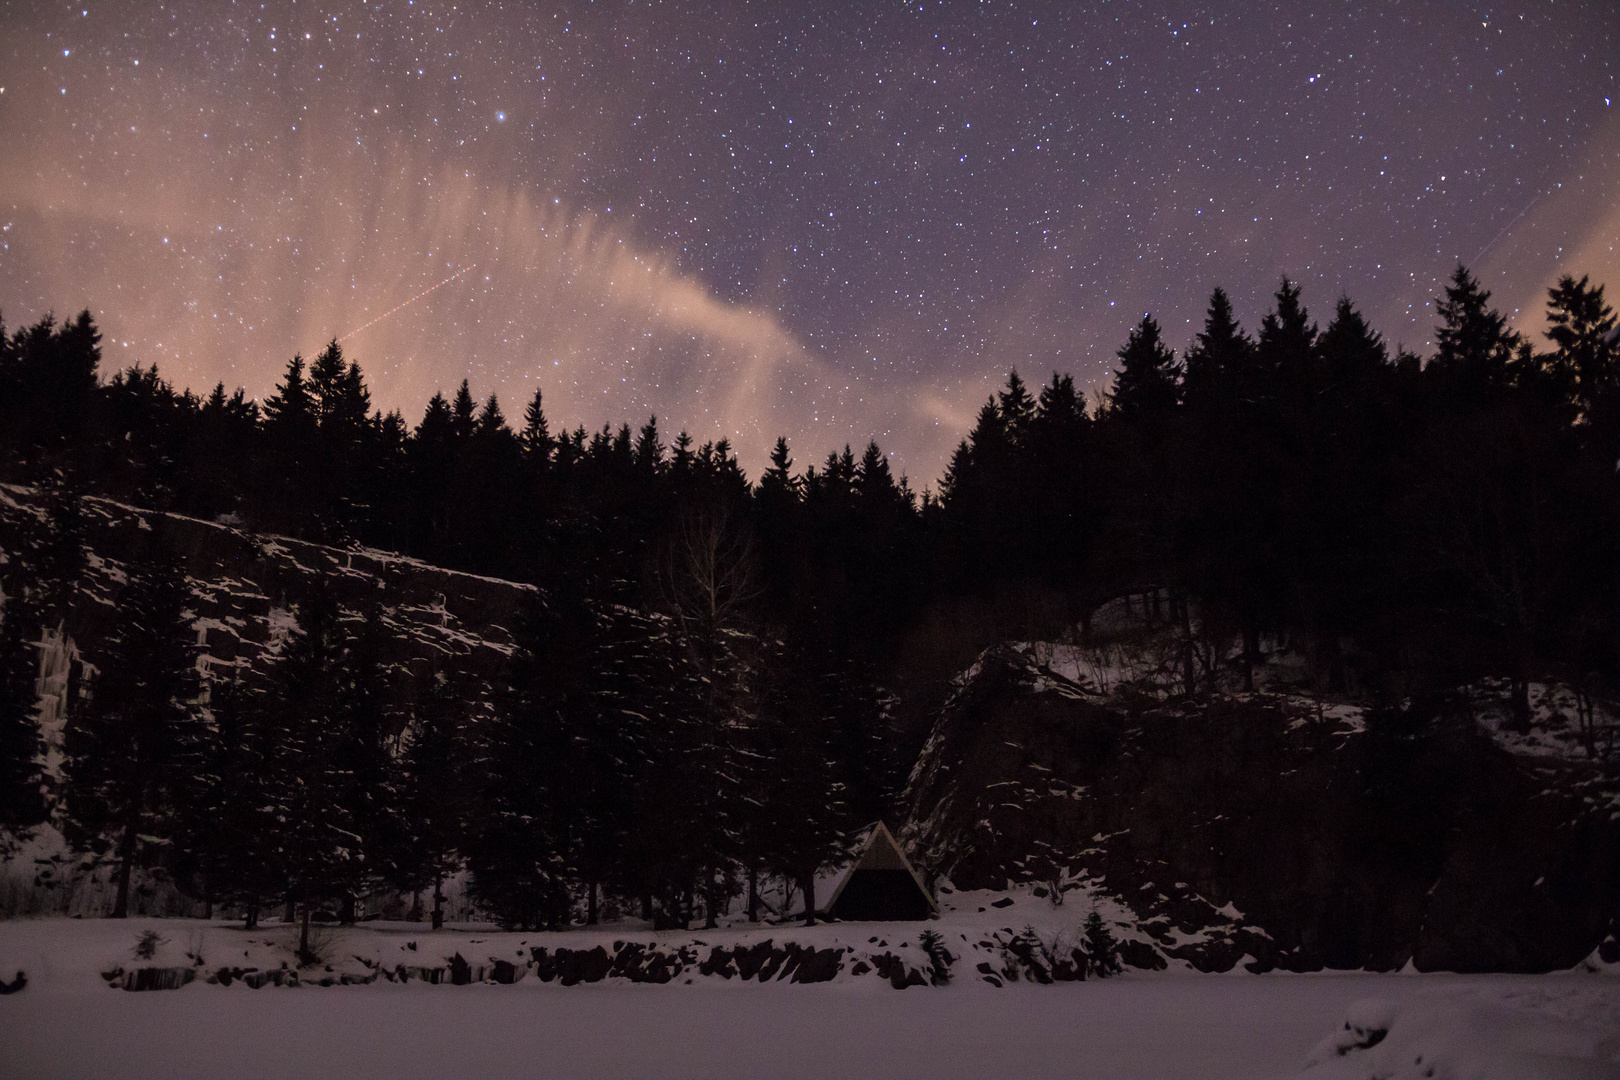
1270 829
245 590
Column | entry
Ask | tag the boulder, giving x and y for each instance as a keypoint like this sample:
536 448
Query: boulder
505 972
898 972
152 978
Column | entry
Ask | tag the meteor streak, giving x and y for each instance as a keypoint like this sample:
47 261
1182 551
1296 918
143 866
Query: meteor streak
1508 226
407 303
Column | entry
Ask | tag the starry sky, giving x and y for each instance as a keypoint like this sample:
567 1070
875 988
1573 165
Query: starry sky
834 221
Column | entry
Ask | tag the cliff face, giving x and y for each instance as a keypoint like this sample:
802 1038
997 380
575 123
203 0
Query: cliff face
1272 830
245 594
245 590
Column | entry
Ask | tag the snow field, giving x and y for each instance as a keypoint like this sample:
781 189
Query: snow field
1177 1023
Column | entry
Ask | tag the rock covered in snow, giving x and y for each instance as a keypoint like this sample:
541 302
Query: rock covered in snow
1267 830
1452 1035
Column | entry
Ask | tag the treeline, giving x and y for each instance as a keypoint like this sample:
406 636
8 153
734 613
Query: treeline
697 696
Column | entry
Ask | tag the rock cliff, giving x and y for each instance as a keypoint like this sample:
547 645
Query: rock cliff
245 589
1273 830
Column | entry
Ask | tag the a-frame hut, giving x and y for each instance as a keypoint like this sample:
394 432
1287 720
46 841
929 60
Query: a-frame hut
881 885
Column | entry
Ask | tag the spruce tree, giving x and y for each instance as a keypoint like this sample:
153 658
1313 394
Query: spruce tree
1582 326
779 515
536 436
1285 352
463 413
1220 358
126 748
1102 951
1352 352
710 586
49 398
523 836
368 781
1475 346
431 462
291 404
232 805
435 778
779 477
287 471
326 387
649 451
1017 408
800 807
1145 382
323 849
1061 490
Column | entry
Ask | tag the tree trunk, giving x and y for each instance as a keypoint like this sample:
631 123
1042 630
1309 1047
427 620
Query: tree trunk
1521 704
250 921
438 902
303 937
1586 720
208 909
1251 654
807 884
1189 670
592 917
753 894
346 910
711 901
126 864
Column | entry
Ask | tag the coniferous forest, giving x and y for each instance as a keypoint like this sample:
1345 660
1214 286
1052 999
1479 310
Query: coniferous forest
719 678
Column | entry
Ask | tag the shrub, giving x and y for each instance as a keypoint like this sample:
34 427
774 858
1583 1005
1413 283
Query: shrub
1102 951
146 945
934 946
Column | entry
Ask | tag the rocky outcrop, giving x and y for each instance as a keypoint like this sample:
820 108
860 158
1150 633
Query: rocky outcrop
897 971
246 589
150 978
763 962
767 960
1269 831
630 961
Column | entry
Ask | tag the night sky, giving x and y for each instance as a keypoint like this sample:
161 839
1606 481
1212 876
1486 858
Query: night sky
834 222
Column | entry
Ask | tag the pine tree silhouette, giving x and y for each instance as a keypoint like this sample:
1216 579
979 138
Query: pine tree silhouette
1145 383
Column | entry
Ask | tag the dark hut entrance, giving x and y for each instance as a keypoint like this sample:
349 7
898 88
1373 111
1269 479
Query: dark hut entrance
881 886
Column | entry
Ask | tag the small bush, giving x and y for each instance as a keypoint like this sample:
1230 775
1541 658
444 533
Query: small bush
318 949
934 946
146 945
1034 954
1102 951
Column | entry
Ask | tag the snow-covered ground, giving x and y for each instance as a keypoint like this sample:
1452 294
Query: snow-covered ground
68 1022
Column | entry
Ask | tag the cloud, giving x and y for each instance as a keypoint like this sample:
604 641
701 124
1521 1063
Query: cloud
221 277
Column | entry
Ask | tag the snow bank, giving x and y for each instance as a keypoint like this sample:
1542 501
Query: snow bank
978 927
1176 1023
1507 1030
